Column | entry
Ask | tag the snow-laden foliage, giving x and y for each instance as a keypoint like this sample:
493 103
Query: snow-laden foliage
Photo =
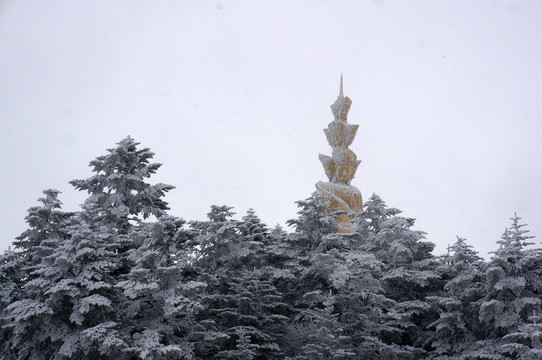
107 282
408 273
513 283
456 326
244 312
118 191
313 222
526 342
160 300
71 290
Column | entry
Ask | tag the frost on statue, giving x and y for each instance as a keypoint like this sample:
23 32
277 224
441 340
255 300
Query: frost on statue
341 167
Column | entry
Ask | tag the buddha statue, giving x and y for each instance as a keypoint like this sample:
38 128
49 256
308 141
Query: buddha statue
341 167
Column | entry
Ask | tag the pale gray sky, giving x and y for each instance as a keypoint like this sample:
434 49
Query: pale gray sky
232 96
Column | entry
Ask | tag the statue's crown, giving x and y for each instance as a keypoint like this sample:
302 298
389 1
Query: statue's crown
341 106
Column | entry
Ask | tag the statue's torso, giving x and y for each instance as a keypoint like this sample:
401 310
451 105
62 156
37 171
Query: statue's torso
350 196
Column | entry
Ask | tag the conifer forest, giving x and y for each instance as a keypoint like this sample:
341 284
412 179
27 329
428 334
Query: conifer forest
124 279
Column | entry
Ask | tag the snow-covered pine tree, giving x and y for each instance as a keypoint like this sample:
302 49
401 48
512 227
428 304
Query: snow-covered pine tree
242 307
214 237
47 227
526 342
513 286
161 301
269 282
341 311
409 274
375 212
118 191
389 236
455 329
252 228
45 222
341 308
312 225
365 312
313 221
68 307
316 332
71 307
12 277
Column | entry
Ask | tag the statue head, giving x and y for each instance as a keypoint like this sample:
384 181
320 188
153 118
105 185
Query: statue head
341 167
340 108
344 174
346 164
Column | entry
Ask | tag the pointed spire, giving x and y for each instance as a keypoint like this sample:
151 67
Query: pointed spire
341 89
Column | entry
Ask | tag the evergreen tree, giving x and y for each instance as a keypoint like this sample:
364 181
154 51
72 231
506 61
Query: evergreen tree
513 286
340 304
161 301
252 227
526 343
408 274
375 212
47 227
389 236
46 221
118 192
316 332
70 307
12 278
242 307
457 325
340 293
313 221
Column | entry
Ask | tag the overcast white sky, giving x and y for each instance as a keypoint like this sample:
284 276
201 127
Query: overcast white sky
232 96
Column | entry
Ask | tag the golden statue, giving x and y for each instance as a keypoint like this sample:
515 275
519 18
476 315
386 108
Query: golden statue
341 167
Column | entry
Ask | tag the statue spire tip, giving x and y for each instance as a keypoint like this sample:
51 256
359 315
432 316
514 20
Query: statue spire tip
341 88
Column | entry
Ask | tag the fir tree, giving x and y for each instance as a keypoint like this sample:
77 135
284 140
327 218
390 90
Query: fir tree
375 212
45 221
161 302
526 342
313 221
342 311
408 274
12 278
47 227
316 332
252 227
118 191
107 282
70 308
242 307
513 284
457 325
